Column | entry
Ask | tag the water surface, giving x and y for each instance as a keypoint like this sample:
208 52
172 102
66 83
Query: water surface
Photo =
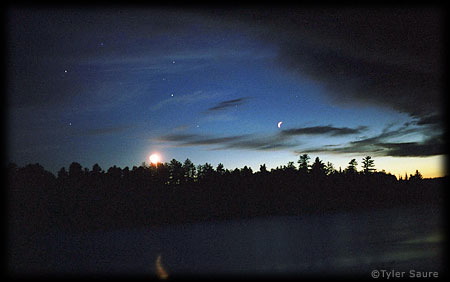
337 243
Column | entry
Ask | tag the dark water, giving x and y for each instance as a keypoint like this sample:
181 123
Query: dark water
340 243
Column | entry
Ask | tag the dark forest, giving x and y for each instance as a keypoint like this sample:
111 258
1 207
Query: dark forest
79 199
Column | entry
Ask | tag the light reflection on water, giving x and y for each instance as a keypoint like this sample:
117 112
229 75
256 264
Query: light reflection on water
333 243
160 271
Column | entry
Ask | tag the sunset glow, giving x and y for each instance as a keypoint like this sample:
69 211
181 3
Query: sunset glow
155 158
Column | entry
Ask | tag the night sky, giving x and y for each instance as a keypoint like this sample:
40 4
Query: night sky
114 85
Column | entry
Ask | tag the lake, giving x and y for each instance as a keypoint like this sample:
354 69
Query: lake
337 243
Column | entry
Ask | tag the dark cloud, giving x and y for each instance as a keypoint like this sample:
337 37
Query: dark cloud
177 137
247 141
435 119
197 139
260 143
228 104
281 140
216 140
351 149
430 147
387 133
380 145
330 130
391 57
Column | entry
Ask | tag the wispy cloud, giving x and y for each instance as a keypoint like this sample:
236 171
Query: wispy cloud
329 130
383 144
246 141
259 142
430 147
228 104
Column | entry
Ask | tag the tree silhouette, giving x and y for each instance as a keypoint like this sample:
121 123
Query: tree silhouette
290 167
114 175
416 177
189 171
303 163
205 172
220 169
163 173
368 164
81 199
96 170
62 174
75 171
351 168
176 172
318 167
263 169
329 169
246 172
32 197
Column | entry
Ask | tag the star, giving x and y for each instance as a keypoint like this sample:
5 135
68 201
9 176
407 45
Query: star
173 62
171 95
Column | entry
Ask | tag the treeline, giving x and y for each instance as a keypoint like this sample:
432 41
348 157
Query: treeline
86 199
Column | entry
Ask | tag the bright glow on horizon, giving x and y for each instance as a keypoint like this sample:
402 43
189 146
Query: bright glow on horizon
155 158
429 167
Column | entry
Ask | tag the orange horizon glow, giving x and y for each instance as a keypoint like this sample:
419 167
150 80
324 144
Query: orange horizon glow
429 167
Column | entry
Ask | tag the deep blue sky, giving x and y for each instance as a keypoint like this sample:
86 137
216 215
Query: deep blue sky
111 86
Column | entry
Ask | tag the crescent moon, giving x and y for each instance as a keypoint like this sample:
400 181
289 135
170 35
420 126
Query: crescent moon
279 124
